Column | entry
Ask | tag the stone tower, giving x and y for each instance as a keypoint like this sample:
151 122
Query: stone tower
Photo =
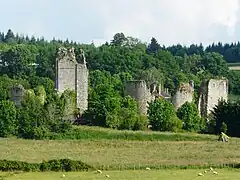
17 92
138 90
144 94
72 74
210 93
185 93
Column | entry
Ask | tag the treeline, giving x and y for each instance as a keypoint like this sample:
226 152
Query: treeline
230 52
31 63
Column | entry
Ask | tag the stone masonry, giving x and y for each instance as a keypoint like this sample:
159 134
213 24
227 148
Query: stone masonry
72 74
138 90
185 93
17 92
210 93
143 94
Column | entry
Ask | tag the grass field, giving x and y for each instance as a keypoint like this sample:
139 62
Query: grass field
98 133
122 154
223 174
234 66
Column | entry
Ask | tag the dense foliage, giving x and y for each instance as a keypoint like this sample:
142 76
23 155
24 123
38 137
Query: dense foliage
31 63
52 165
227 116
162 116
190 116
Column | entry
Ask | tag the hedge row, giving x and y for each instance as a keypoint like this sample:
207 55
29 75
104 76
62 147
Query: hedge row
52 165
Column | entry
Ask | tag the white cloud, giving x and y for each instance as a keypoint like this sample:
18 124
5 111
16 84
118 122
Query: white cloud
170 21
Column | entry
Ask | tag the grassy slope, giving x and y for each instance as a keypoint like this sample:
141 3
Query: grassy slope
125 154
97 133
234 66
223 174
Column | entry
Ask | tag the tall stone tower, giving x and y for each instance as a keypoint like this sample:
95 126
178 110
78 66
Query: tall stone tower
72 74
210 93
138 90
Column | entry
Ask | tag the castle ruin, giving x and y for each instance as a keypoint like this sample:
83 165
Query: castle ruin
210 92
143 94
72 74
17 92
185 93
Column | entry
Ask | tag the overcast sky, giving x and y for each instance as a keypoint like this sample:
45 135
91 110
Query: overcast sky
86 21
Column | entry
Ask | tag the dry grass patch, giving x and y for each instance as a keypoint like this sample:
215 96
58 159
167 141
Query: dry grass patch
120 154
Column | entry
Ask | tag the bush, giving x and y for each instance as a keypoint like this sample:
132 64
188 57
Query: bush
141 123
162 116
224 127
52 165
226 116
189 114
8 122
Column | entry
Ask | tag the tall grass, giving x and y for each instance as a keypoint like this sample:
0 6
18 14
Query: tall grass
97 133
122 154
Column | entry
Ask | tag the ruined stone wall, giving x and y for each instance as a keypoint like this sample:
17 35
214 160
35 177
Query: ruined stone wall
185 93
138 89
17 92
217 90
82 87
210 93
203 98
65 74
72 73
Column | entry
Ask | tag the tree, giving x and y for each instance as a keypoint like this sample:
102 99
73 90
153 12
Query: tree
118 39
227 114
153 47
8 124
18 60
9 38
32 119
103 99
128 116
151 76
189 114
215 64
162 116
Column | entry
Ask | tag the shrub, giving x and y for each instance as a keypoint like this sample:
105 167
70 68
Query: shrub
127 117
224 127
189 114
141 123
227 113
8 122
52 165
162 116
